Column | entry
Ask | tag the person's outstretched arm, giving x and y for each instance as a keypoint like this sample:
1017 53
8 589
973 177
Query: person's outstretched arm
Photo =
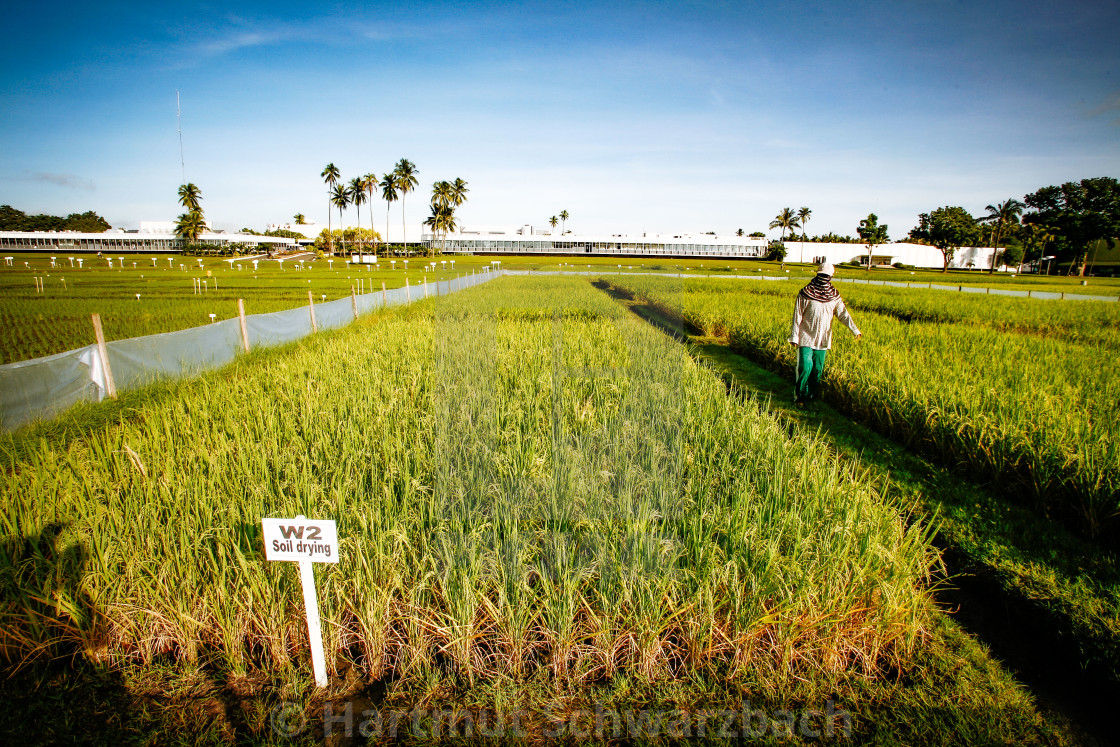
843 315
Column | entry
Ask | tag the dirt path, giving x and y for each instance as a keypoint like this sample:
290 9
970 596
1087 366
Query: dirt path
1018 633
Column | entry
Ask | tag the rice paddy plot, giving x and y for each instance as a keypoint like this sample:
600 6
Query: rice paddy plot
526 482
1035 412
151 298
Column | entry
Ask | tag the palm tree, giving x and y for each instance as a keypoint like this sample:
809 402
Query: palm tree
190 196
442 218
785 220
441 193
443 202
803 218
458 192
340 198
552 222
1001 214
564 219
405 173
389 194
190 225
330 175
357 195
369 184
300 219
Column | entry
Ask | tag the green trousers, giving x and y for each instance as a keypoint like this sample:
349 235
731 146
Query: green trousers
807 379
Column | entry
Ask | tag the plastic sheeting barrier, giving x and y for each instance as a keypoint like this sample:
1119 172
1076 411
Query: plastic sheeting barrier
43 387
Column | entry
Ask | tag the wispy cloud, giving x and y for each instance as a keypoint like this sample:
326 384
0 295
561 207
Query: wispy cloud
241 40
241 33
1109 105
68 181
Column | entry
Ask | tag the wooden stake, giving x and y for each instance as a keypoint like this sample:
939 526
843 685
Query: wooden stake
110 387
384 296
425 286
311 307
407 291
244 328
354 301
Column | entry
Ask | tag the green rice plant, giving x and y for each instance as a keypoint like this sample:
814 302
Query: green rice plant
1035 413
527 482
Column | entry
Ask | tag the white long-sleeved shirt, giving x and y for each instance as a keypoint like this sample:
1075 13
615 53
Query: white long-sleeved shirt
812 322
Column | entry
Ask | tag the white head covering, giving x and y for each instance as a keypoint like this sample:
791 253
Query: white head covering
826 269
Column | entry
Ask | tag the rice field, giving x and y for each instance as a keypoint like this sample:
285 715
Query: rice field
161 296
1093 322
526 482
1019 392
46 309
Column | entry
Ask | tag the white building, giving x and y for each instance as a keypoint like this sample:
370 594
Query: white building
918 255
530 240
125 241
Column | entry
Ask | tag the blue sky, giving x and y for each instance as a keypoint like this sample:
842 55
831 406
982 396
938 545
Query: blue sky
658 117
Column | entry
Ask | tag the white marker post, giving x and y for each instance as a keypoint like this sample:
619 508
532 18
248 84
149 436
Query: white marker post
305 542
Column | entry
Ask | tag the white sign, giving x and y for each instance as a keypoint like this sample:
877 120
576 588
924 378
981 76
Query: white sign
300 539
305 542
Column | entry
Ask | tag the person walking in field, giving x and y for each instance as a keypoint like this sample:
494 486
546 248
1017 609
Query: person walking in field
811 333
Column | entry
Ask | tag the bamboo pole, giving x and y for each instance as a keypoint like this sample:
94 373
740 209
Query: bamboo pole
354 301
311 307
407 290
425 286
244 327
384 295
103 352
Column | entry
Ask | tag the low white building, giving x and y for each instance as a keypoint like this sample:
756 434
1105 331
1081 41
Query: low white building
918 255
125 241
530 240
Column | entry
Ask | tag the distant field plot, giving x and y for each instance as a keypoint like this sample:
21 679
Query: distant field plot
34 324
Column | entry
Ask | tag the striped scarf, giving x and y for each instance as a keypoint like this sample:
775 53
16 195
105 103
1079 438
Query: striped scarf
820 289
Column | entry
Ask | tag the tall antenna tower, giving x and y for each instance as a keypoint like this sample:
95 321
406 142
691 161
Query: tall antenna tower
179 127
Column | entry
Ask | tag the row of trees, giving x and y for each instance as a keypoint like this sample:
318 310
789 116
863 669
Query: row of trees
391 186
17 220
1072 220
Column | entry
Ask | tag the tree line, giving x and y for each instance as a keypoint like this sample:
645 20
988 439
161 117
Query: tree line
394 185
1072 221
12 219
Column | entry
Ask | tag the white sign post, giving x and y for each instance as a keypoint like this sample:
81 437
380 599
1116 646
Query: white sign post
305 542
